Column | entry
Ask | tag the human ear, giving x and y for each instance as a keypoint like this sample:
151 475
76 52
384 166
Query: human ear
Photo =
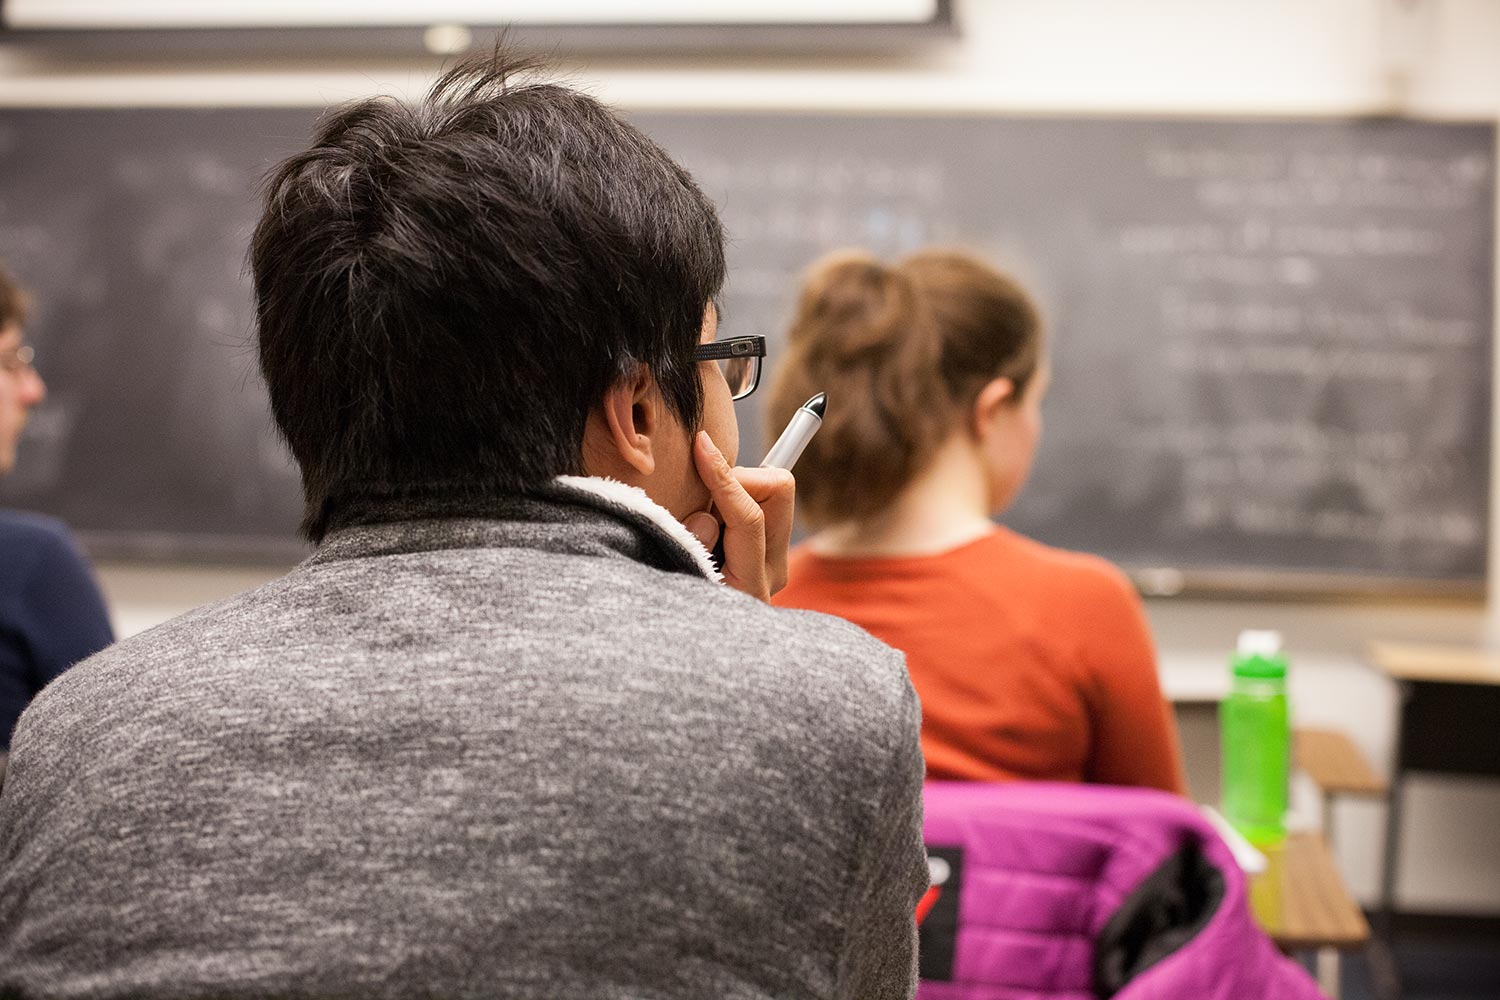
631 412
997 394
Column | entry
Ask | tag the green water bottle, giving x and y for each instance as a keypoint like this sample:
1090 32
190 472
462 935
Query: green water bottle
1256 740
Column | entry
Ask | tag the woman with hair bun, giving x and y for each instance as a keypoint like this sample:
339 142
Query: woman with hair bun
1031 662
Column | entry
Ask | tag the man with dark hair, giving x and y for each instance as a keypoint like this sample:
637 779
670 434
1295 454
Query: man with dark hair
51 612
508 732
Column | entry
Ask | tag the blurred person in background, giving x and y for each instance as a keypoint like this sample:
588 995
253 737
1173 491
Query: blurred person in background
1030 662
51 612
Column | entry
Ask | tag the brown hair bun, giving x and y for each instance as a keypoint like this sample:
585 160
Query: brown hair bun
902 351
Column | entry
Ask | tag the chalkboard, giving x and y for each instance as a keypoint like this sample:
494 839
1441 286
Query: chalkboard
1270 338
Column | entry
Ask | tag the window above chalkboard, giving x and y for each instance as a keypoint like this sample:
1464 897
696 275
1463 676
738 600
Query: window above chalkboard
449 26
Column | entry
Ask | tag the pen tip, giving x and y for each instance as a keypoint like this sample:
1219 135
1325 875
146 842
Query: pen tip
817 404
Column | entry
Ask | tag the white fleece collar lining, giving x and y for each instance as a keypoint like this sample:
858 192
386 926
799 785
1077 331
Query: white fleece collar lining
635 500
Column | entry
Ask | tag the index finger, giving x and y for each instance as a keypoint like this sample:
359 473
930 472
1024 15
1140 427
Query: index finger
775 492
729 495
744 535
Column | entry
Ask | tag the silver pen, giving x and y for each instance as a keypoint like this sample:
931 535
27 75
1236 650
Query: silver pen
799 431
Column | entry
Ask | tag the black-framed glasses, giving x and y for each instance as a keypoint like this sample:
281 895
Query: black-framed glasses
739 360
18 359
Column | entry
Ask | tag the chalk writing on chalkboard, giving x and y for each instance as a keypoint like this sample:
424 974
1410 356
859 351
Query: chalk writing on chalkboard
1270 338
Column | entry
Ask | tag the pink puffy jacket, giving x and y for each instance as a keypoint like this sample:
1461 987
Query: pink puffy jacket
1077 892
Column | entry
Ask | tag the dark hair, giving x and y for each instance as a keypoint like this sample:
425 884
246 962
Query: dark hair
903 352
14 302
444 290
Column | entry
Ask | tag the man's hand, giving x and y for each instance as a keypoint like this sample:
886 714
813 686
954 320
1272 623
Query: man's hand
757 507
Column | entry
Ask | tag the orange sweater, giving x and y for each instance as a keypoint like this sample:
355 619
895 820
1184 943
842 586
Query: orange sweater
1031 662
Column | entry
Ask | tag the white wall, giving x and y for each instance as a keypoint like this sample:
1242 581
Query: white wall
1438 58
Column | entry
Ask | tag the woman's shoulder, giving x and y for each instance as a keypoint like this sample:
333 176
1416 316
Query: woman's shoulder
1002 561
1062 569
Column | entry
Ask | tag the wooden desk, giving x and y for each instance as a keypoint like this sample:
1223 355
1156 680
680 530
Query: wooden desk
1335 764
1448 714
1303 904
1448 664
1330 758
1301 900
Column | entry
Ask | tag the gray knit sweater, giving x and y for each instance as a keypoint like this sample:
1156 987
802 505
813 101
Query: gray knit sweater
534 753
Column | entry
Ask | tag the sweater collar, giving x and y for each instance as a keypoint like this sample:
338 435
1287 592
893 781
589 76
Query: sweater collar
585 515
631 503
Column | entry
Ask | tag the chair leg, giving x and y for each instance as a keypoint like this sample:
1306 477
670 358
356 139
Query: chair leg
1383 965
1385 974
1328 972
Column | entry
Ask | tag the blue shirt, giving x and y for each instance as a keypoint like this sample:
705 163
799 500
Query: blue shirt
51 612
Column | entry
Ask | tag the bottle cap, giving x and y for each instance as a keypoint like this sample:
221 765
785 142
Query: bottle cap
1258 655
1262 642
